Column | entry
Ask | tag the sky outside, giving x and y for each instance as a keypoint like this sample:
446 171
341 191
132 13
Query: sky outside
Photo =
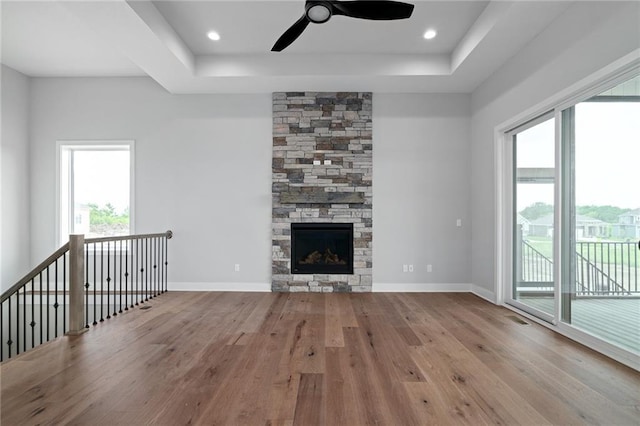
607 156
102 177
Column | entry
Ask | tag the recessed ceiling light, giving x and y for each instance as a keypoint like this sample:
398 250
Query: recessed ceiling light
213 35
429 34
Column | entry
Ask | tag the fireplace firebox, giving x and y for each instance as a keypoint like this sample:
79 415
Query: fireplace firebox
322 248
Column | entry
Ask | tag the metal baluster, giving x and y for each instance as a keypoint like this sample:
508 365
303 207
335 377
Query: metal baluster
1 333
24 318
628 263
147 261
56 305
635 262
602 290
40 307
155 266
162 283
86 285
152 263
162 286
138 277
592 288
48 302
145 268
95 285
9 342
108 278
126 276
101 281
166 262
161 264
615 261
17 342
64 293
32 324
120 310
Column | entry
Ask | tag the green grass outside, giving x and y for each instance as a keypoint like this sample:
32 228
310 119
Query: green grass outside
624 255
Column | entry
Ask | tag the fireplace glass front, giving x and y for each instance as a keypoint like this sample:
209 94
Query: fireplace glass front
322 248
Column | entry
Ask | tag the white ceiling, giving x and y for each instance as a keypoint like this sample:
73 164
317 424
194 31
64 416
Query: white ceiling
167 41
192 20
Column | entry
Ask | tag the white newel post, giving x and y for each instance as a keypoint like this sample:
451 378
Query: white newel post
76 285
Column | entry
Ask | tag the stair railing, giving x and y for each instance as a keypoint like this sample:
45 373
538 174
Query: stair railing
83 283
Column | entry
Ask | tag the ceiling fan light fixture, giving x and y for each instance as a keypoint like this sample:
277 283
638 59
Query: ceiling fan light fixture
319 13
430 34
213 35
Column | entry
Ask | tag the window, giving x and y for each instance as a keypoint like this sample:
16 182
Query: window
534 158
94 183
568 205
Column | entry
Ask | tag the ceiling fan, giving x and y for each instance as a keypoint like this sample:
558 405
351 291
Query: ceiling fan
320 11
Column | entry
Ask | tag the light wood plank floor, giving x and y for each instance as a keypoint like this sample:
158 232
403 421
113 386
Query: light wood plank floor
317 359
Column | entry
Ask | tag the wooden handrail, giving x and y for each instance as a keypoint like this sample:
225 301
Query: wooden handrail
65 248
167 234
34 273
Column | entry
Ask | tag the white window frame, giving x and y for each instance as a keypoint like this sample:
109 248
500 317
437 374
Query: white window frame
63 183
604 79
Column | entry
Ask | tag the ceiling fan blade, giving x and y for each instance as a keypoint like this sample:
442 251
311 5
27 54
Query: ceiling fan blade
291 34
383 10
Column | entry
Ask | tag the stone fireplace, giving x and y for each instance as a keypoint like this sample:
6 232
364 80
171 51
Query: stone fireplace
322 192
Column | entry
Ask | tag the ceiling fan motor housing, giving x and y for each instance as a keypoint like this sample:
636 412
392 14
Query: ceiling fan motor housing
318 11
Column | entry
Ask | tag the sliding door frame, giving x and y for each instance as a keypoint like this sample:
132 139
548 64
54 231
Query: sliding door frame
606 78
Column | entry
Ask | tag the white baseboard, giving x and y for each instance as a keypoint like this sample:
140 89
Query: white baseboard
203 286
483 293
420 287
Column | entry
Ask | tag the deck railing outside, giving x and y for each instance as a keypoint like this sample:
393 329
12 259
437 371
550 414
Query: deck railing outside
607 269
81 284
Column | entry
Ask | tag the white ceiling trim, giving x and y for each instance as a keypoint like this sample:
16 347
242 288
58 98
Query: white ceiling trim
139 31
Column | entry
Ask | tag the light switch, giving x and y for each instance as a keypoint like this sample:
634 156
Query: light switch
459 222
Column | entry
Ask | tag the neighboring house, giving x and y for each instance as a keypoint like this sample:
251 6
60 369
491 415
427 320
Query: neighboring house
524 224
82 219
586 227
628 225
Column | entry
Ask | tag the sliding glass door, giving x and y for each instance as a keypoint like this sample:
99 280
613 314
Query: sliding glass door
534 286
601 141
575 189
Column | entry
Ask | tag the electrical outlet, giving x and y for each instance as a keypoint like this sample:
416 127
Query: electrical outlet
429 268
405 268
459 223
236 267
410 268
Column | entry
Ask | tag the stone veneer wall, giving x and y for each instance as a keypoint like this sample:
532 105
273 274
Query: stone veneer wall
310 126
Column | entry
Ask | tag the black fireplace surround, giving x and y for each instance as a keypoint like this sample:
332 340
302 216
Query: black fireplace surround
322 248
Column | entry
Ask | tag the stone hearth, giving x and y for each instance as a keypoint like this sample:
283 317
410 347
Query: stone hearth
322 173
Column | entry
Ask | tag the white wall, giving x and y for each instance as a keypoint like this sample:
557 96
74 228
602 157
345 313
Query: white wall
586 38
421 187
14 166
202 169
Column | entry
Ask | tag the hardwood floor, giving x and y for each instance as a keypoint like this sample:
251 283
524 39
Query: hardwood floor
316 359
